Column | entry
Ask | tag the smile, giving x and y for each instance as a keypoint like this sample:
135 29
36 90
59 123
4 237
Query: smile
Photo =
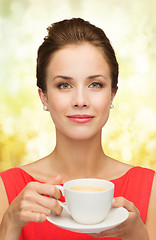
80 118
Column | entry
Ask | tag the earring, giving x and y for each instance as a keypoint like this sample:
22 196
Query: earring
112 106
45 108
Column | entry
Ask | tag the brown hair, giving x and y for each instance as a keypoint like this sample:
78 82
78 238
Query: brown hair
74 31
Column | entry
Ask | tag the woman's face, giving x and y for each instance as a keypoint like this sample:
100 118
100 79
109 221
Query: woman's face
79 91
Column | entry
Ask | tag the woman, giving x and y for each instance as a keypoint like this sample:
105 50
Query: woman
77 74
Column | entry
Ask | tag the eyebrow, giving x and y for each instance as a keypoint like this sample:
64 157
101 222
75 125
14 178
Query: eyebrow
64 77
90 77
96 76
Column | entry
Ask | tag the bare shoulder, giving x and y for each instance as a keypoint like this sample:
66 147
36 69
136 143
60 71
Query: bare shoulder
3 199
40 169
151 215
35 166
117 169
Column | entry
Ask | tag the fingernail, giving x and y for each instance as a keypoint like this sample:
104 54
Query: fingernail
113 200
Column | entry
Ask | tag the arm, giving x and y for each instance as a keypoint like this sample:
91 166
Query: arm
29 206
151 214
5 226
133 228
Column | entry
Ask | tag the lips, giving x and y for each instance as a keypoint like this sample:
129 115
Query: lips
80 118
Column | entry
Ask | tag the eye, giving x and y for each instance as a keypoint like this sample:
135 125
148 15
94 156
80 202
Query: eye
64 86
96 85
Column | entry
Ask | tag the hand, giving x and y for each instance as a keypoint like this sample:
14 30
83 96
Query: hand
131 229
31 205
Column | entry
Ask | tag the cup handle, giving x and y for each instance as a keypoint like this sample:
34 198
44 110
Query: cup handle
61 203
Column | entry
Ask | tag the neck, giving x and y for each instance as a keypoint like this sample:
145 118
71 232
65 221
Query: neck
78 158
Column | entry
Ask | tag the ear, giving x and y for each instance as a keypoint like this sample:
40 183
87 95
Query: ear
114 91
43 97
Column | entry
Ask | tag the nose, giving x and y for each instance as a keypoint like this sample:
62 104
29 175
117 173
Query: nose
80 98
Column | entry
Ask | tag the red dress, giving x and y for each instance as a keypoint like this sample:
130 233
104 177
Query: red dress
135 185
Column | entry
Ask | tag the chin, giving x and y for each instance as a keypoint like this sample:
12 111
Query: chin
79 134
82 136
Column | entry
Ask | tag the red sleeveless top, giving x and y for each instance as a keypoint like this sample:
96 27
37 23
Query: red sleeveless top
135 185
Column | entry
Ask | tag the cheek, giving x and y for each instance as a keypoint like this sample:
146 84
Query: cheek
103 103
104 106
58 103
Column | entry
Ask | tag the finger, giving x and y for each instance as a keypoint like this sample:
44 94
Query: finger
95 235
27 216
43 189
57 180
107 233
113 232
49 203
33 207
122 202
36 194
100 235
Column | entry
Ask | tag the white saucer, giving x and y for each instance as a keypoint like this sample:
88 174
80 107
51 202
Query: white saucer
115 217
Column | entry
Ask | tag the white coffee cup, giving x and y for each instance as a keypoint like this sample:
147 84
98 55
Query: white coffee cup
91 206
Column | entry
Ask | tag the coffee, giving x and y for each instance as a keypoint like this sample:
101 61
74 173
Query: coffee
87 200
87 189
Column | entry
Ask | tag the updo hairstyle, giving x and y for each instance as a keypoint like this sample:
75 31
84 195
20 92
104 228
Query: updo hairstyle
74 31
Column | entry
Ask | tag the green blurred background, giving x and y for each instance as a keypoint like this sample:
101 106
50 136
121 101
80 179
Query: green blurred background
26 131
